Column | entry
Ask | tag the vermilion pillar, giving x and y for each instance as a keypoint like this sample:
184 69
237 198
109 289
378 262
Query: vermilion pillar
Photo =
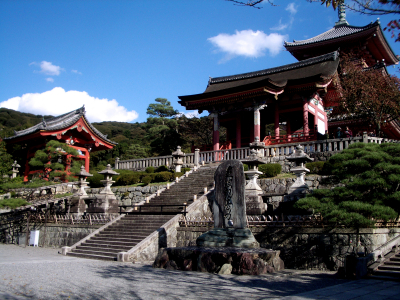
216 133
305 118
276 121
238 132
289 131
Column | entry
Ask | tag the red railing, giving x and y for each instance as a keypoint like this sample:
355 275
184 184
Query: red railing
286 139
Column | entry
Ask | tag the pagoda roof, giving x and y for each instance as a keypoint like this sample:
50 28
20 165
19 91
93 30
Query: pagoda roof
59 123
316 69
334 33
346 34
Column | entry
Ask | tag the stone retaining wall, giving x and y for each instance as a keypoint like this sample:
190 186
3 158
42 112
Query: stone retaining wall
58 235
308 248
130 195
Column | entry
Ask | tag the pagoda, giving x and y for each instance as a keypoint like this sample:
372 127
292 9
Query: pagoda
72 128
297 97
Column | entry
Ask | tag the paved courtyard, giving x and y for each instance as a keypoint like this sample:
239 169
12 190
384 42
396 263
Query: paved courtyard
42 273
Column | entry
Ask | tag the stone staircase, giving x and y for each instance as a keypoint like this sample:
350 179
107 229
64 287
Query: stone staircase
131 229
389 267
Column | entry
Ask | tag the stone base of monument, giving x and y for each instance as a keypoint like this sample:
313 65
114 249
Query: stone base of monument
220 260
228 237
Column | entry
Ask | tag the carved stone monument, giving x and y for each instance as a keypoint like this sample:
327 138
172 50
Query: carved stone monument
229 210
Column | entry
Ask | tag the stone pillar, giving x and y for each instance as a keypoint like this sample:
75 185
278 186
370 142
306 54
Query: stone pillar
305 118
216 132
276 121
238 132
196 157
365 137
116 166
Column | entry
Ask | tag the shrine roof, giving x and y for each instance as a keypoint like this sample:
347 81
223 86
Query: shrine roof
334 33
59 123
314 69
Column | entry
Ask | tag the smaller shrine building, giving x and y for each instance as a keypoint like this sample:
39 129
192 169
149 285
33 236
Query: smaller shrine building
72 128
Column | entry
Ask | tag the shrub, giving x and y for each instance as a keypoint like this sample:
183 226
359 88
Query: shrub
128 179
184 170
94 181
270 170
245 167
176 174
163 177
161 169
150 170
315 167
146 180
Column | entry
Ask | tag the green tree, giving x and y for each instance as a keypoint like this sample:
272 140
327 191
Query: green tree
136 151
54 158
162 109
370 178
5 160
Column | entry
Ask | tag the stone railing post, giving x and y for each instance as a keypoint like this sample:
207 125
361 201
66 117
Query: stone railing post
365 137
116 163
196 157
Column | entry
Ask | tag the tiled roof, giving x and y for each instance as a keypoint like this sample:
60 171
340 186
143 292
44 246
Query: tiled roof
58 123
335 32
307 62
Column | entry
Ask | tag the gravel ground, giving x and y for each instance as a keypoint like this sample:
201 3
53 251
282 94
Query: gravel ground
42 273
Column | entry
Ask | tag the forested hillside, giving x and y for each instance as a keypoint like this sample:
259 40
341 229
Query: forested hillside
163 131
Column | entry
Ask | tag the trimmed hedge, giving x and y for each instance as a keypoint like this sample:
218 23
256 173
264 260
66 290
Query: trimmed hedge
270 170
150 170
316 167
161 169
146 180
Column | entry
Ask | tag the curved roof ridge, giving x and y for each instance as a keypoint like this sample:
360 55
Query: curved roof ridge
335 32
329 56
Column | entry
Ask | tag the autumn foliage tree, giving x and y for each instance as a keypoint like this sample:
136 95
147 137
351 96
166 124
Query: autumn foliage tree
370 94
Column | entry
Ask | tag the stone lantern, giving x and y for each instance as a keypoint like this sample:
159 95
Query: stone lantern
82 183
108 174
105 201
80 200
253 192
15 167
178 162
299 157
258 146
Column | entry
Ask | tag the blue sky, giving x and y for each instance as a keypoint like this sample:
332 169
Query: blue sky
117 57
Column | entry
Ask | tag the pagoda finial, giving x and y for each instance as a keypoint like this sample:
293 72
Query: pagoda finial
341 14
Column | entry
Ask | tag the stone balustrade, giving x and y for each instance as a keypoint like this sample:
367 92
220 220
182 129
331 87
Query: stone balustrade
272 153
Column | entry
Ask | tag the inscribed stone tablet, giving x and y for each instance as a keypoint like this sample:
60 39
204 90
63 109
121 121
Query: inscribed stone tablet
229 206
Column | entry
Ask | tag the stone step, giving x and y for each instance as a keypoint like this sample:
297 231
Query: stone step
100 257
101 252
115 239
390 267
391 262
111 235
386 273
119 248
123 244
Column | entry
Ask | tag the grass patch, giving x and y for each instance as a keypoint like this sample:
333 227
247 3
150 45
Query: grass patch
13 203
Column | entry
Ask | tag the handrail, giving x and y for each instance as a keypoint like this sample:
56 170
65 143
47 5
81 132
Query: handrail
161 206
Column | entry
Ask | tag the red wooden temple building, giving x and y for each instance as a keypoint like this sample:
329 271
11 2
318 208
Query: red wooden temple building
72 128
294 98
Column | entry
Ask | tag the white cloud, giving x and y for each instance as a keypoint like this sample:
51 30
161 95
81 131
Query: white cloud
292 8
76 72
50 79
58 101
280 26
48 68
248 43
